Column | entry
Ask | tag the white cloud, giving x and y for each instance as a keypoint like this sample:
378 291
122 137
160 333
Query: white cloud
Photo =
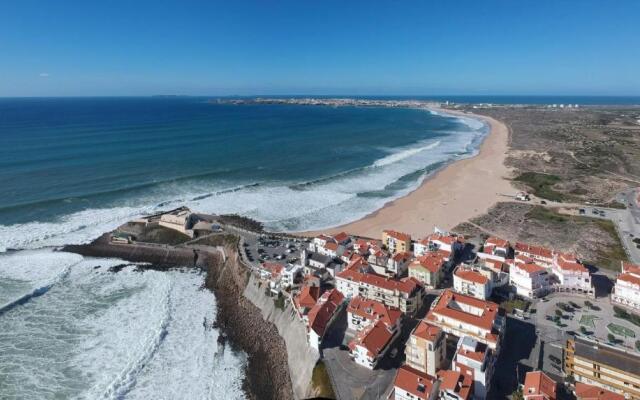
44 74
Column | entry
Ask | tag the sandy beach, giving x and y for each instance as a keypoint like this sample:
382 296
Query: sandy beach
456 193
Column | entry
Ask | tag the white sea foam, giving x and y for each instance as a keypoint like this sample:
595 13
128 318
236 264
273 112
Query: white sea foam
404 153
130 334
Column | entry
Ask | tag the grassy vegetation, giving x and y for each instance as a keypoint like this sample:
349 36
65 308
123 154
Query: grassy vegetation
541 185
621 330
588 321
510 305
607 257
321 383
279 302
624 314
162 235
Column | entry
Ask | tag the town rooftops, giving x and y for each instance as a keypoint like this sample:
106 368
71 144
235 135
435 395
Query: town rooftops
321 258
341 237
322 312
467 309
373 310
494 241
430 261
470 275
398 235
308 297
414 382
455 382
427 331
537 385
373 338
569 263
630 268
405 285
530 268
399 257
333 246
630 278
590 392
605 354
538 251
438 237
273 268
472 349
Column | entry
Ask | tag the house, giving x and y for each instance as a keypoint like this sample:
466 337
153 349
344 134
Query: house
540 255
177 219
626 291
363 313
370 345
572 276
305 300
472 282
322 315
476 360
435 242
425 350
398 264
411 384
272 272
609 367
592 392
455 385
461 315
404 294
429 268
498 247
396 242
289 275
538 386
528 279
378 260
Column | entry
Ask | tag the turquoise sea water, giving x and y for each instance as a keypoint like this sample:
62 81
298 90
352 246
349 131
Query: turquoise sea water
71 169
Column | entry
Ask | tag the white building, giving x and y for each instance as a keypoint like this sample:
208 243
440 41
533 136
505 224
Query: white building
498 247
289 274
372 343
627 289
363 313
472 282
477 360
462 315
528 279
572 276
541 255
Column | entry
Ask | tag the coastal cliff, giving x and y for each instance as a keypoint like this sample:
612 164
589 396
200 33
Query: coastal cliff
267 374
238 318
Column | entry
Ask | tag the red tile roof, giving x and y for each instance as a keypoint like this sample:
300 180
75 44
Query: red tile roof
496 242
321 313
398 257
471 276
427 331
448 306
430 261
308 297
529 268
373 310
455 382
630 278
590 392
341 237
398 235
373 338
571 266
273 268
331 246
537 385
405 285
631 268
415 382
448 239
535 250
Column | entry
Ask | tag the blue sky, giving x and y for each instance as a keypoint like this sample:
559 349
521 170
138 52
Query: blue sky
74 48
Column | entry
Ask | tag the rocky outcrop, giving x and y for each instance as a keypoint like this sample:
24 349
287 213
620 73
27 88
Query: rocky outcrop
267 374
301 358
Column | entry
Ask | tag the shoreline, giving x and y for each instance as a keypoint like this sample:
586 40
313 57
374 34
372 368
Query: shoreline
453 194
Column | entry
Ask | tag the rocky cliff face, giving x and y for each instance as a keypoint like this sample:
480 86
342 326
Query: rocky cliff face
267 375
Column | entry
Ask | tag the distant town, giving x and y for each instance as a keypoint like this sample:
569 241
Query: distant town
443 316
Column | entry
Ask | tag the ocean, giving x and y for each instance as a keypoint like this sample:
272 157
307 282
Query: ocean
73 168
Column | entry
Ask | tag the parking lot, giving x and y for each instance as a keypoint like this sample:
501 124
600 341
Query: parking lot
261 248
